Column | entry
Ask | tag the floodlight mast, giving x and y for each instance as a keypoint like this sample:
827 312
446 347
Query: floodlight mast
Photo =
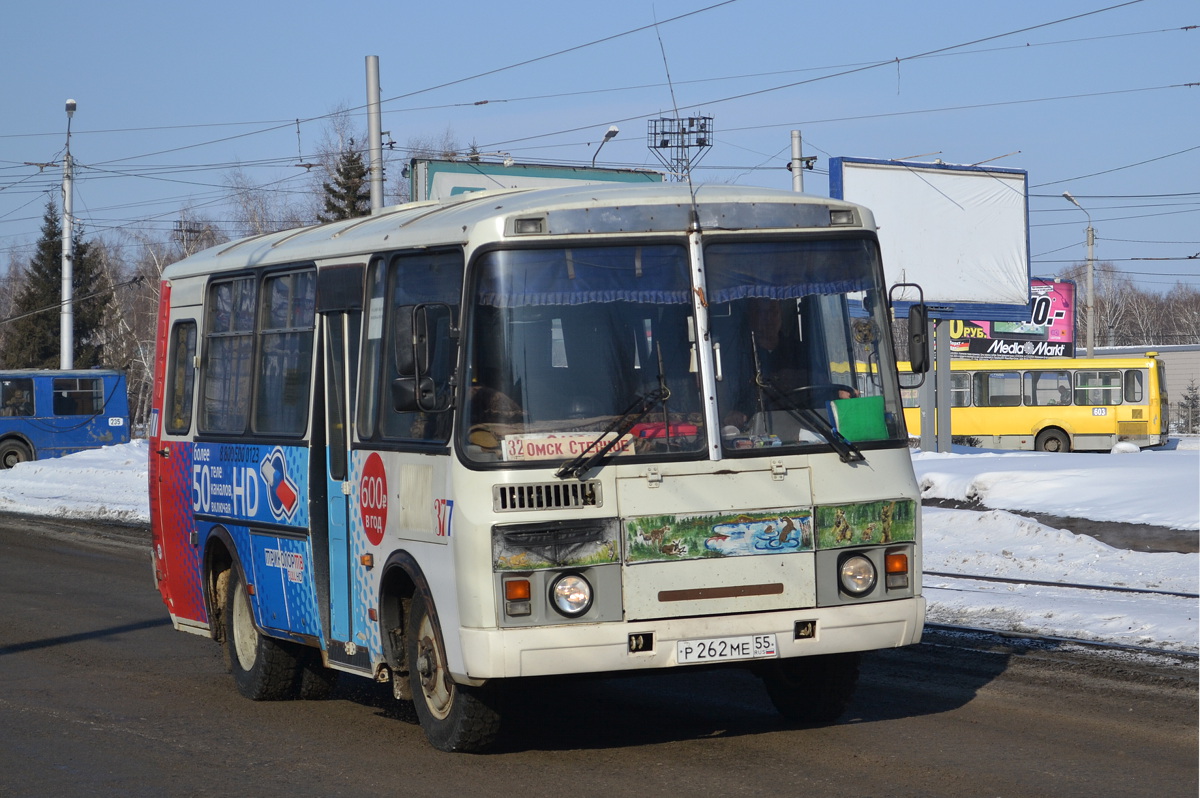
1091 298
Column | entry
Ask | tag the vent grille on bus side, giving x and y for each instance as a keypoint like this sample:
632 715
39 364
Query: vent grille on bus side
1132 431
546 496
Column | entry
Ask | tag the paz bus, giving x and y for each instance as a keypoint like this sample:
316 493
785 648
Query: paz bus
46 413
532 432
1054 404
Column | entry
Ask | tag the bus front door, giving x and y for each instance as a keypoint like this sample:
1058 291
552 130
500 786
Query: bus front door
341 340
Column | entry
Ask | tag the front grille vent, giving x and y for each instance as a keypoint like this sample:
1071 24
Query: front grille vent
546 496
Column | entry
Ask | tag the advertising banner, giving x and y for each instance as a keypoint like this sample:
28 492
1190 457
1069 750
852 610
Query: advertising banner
1049 332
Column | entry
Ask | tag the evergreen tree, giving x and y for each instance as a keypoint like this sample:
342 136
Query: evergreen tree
34 339
349 196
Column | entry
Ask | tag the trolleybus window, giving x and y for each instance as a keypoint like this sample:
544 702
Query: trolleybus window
78 396
1097 388
998 389
16 397
1134 385
1047 388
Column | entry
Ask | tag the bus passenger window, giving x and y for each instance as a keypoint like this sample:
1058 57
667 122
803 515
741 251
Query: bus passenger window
181 377
285 364
228 356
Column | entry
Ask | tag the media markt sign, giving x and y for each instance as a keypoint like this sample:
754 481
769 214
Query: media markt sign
1049 332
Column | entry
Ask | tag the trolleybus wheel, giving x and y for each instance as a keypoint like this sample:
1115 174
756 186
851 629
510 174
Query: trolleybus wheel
263 669
13 452
1052 440
812 690
455 717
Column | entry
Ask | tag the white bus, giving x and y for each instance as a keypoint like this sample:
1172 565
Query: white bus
521 433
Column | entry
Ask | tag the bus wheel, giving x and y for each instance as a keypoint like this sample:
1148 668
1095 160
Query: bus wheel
263 669
1052 440
812 690
455 717
13 452
316 681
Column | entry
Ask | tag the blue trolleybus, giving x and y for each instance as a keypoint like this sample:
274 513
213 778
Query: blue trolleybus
52 413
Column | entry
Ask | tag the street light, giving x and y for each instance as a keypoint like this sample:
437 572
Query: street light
1091 297
611 133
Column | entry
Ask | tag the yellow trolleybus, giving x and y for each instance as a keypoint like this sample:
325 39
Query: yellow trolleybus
1053 405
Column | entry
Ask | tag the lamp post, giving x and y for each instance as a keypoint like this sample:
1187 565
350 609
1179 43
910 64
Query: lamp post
611 133
1091 295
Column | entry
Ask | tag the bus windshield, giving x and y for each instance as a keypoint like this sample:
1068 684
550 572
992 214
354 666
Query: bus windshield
570 345
565 342
801 343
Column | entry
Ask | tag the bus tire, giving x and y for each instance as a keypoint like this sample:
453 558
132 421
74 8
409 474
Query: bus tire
316 682
812 690
263 669
13 452
1052 440
454 717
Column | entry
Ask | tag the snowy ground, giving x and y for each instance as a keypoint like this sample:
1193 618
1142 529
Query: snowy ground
1160 488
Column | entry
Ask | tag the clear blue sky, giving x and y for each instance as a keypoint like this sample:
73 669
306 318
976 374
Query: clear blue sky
171 96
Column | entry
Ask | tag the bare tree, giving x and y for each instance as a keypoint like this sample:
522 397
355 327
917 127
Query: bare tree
259 209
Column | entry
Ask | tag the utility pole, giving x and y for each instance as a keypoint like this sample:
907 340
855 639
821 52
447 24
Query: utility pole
374 134
67 315
799 163
1091 270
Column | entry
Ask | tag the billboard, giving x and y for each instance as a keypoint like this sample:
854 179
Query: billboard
437 179
961 232
1048 329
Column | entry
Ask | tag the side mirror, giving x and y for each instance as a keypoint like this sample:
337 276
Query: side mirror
918 338
416 395
412 341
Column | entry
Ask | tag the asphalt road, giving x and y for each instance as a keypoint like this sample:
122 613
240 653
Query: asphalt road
99 697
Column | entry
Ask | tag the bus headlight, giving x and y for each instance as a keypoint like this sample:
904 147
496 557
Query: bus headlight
857 575
571 595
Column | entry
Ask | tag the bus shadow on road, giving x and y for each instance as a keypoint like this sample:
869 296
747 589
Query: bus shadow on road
78 637
603 711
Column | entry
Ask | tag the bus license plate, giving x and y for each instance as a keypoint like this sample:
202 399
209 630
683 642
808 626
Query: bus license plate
721 649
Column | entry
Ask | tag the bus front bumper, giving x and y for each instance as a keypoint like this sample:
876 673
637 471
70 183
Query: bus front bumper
604 647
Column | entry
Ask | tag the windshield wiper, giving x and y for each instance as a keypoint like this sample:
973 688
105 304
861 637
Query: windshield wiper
817 423
641 407
804 415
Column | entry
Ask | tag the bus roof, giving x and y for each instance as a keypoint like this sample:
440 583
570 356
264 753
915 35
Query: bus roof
485 216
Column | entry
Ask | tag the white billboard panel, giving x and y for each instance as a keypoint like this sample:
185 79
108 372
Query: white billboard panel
961 232
438 180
